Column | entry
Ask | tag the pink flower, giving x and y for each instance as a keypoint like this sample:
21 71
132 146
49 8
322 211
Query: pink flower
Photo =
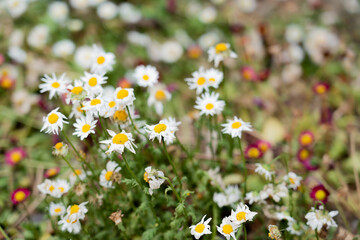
304 155
319 193
19 195
306 138
248 74
14 155
253 152
51 172
321 88
263 145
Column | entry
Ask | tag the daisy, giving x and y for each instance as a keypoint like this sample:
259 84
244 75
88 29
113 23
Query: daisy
317 218
219 52
19 195
77 92
201 228
56 209
106 174
274 232
227 228
295 228
94 105
230 195
198 81
102 61
70 225
242 214
77 211
84 126
14 156
293 180
253 197
306 138
124 96
53 85
60 149
235 127
263 170
319 193
53 122
93 82
162 131
76 110
154 178
146 76
54 188
214 77
158 95
79 173
119 142
209 104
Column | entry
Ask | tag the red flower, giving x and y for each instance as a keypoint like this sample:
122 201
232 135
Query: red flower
51 172
319 193
15 155
306 138
19 195
321 88
263 145
253 152
248 74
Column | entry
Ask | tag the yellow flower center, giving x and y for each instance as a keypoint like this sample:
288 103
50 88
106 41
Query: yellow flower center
160 95
112 104
146 177
201 80
95 102
199 228
53 118
320 89
15 157
236 125
146 77
78 172
220 47
160 128
79 109
77 90
292 181
59 145
123 93
61 189
108 175
263 146
209 106
51 172
241 216
306 139
211 79
74 209
92 82
120 115
20 196
100 60
51 188
120 138
253 153
6 83
320 195
57 210
227 229
304 154
85 128
55 85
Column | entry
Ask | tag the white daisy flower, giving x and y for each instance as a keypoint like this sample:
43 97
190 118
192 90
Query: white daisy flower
16 7
214 77
53 122
119 142
227 228
242 214
153 177
146 76
63 48
58 11
253 197
76 110
317 218
84 126
201 228
53 85
158 95
219 52
60 149
261 170
208 104
230 195
56 209
293 180
107 10
70 225
79 173
94 106
198 81
54 188
77 93
235 127
106 174
77 211
124 96
296 228
93 82
275 192
284 215
83 56
163 130
102 61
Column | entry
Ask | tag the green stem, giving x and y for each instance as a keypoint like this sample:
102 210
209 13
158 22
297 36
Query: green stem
4 233
132 122
317 235
68 140
214 221
245 235
72 169
211 139
245 169
172 163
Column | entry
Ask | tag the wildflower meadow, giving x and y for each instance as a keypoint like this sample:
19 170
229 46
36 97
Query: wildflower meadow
180 119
